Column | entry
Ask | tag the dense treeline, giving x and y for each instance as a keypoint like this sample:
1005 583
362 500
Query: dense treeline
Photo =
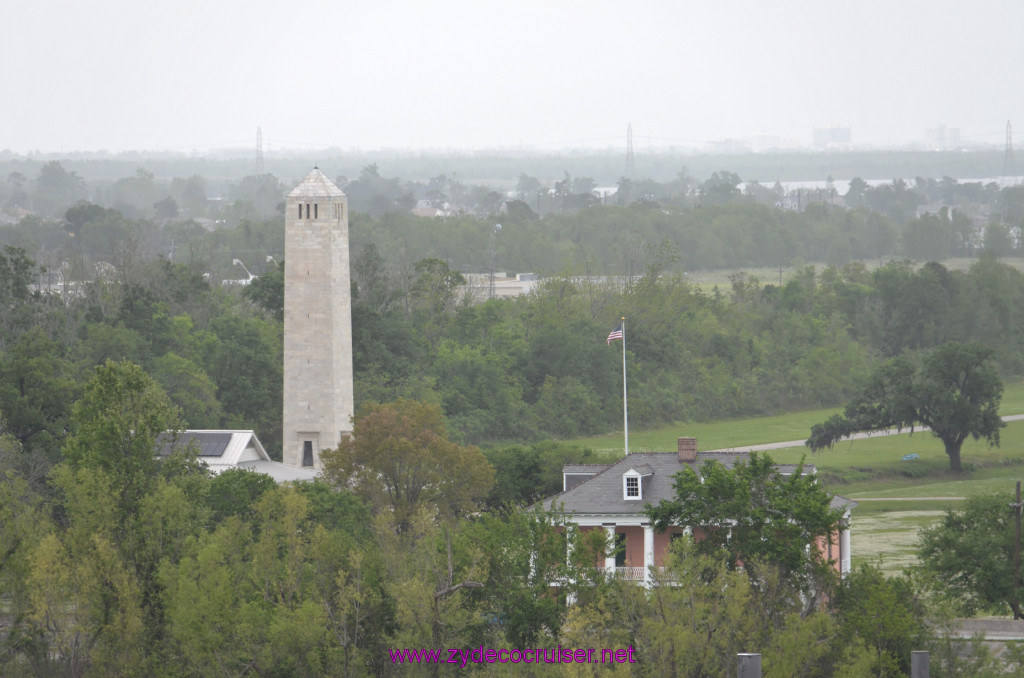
125 563
520 369
605 166
720 222
113 561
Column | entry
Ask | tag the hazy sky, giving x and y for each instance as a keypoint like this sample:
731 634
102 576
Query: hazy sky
200 74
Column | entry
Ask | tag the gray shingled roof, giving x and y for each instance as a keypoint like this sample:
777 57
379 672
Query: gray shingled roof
602 492
315 185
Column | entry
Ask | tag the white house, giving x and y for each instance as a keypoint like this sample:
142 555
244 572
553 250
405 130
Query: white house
612 497
224 449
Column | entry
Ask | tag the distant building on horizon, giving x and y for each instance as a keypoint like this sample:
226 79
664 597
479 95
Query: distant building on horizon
832 136
942 138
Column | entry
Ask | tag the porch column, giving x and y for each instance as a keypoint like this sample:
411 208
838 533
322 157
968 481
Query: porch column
570 532
648 554
844 548
609 560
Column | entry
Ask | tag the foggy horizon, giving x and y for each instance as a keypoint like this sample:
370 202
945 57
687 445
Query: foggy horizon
116 76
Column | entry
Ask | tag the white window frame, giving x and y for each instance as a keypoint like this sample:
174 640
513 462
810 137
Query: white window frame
631 474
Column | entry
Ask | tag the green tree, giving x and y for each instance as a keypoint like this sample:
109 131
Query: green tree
968 556
956 394
721 188
234 492
57 188
166 208
435 287
189 388
274 592
756 515
399 458
24 522
36 391
705 612
267 291
115 426
523 475
886 613
82 213
245 363
263 192
17 273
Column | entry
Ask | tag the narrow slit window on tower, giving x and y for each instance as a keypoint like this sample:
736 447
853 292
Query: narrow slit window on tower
307 210
300 210
307 452
316 210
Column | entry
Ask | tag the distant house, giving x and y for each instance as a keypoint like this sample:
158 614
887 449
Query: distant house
612 497
221 450
429 209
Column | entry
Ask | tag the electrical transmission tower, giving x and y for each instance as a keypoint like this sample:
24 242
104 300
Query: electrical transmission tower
259 151
630 160
1008 169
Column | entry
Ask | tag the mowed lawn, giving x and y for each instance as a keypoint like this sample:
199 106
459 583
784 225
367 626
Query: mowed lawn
896 498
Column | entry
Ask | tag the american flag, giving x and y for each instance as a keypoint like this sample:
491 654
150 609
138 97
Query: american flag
615 334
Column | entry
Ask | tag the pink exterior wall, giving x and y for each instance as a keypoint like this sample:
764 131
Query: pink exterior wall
634 545
661 544
831 551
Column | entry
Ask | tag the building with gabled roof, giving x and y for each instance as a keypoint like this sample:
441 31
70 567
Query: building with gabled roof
221 450
613 497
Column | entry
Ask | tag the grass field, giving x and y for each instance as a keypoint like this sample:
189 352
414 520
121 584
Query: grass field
910 494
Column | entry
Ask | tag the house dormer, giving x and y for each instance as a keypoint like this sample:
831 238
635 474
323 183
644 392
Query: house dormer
576 474
633 482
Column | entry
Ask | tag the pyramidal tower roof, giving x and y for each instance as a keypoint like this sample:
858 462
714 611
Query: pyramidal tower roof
315 185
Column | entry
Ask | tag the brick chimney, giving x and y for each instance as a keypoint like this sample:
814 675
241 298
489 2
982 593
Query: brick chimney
687 450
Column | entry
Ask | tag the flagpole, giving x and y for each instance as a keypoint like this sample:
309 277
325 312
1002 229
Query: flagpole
625 406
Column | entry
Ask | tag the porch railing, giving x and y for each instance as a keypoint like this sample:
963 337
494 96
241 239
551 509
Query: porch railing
627 573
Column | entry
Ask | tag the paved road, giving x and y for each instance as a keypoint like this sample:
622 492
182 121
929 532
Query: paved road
860 499
856 436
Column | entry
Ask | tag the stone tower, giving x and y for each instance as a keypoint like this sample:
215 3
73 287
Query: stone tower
318 403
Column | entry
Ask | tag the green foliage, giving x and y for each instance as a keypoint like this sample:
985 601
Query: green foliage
35 385
524 475
267 291
886 614
399 458
756 515
705 613
190 389
245 363
968 556
115 426
956 393
336 509
234 492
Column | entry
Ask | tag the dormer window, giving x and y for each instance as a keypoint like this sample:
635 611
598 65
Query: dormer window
632 482
632 487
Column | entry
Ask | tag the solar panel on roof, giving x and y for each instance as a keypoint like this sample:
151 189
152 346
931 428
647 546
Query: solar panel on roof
209 444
